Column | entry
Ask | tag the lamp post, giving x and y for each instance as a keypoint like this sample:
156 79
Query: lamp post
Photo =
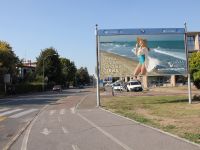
43 68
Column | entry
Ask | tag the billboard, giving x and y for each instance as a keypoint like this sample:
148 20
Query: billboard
137 52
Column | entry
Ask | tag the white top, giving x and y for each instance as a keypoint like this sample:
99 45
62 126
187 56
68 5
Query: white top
140 51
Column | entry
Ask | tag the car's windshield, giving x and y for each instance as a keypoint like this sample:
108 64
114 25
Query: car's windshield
134 83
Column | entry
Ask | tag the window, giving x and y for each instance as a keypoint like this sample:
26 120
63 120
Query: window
190 42
134 83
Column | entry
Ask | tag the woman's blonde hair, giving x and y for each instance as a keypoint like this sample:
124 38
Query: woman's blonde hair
143 41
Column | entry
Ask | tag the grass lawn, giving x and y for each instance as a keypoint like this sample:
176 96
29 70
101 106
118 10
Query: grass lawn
169 113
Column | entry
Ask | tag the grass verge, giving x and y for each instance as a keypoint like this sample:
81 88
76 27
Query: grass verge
169 113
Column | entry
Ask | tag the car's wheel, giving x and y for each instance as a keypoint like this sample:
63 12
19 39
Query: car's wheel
127 90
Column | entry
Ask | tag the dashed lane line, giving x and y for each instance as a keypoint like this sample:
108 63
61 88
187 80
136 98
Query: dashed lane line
65 130
62 111
52 112
75 147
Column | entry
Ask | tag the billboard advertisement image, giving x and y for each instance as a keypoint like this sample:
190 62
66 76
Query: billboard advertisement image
138 52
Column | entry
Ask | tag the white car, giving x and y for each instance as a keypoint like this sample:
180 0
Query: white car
117 87
134 86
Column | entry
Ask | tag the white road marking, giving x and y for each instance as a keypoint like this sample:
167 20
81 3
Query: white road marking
65 130
52 112
4 109
59 119
27 133
81 101
75 147
46 131
73 111
106 133
10 112
23 113
62 111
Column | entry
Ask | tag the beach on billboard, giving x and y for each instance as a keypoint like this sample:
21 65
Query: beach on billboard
115 65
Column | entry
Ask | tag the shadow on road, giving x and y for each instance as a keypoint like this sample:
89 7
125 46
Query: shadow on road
39 98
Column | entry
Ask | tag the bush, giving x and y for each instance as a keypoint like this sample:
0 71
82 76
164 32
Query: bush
27 87
196 78
196 98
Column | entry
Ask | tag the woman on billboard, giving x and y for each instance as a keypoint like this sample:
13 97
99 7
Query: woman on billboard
141 51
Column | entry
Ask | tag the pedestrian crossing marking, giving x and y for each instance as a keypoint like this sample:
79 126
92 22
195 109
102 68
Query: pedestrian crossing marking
23 113
4 109
10 112
14 112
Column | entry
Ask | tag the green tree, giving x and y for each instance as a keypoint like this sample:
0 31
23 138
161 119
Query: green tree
194 62
49 59
82 76
68 70
8 61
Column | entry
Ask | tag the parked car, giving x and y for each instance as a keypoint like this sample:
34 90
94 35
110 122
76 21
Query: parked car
134 86
117 87
57 88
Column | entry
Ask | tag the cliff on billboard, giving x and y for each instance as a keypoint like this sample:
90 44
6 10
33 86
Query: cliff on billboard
137 52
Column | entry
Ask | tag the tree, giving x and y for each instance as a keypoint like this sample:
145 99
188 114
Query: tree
82 76
49 59
8 60
194 62
68 70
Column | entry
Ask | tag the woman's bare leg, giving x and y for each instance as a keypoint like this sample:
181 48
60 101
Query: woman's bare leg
137 70
143 69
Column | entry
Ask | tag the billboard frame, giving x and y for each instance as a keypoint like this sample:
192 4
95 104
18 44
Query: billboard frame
119 32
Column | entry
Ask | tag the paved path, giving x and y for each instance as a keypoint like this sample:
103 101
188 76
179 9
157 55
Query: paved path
74 123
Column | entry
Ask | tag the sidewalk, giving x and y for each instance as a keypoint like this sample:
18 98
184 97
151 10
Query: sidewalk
132 134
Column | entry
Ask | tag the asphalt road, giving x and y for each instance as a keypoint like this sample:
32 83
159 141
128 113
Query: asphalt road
17 112
74 123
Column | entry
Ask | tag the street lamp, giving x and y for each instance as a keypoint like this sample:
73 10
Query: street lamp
43 68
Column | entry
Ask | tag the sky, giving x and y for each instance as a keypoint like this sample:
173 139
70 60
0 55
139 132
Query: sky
30 26
131 38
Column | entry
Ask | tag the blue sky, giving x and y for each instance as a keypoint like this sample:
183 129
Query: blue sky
68 25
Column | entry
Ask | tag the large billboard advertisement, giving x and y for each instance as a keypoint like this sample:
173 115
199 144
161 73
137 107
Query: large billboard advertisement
138 52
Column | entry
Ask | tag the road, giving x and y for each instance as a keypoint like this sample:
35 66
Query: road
17 112
74 123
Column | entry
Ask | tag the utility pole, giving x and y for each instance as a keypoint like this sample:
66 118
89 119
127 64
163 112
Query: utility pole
188 69
97 59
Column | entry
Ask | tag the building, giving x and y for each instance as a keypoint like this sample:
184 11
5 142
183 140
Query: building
193 41
27 68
